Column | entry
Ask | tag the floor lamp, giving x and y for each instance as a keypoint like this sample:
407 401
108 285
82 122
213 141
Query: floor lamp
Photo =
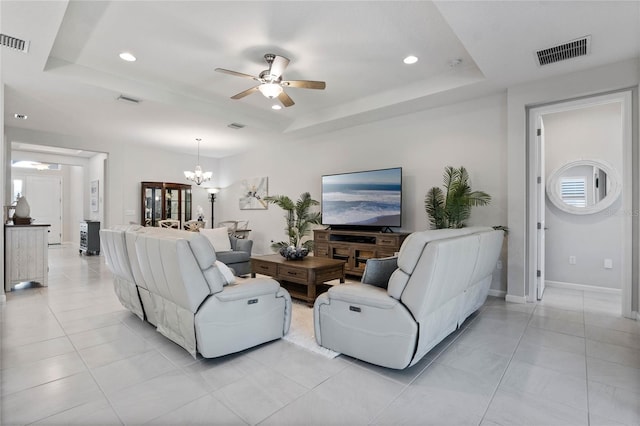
212 197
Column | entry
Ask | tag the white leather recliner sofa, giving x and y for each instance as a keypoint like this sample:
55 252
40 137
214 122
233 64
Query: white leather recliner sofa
171 279
393 319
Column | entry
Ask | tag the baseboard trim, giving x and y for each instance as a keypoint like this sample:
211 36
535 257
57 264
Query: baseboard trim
582 287
515 299
497 293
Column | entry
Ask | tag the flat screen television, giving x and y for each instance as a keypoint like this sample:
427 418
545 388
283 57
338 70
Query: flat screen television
371 198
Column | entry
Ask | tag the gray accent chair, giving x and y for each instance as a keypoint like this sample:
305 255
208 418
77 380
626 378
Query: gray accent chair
405 306
238 258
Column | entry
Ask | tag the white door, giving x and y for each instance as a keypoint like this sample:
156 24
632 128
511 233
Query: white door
44 194
540 192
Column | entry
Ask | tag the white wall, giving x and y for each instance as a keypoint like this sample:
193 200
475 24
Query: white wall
597 80
75 201
587 133
471 134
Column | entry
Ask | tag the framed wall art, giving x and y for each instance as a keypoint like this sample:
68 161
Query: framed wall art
93 196
253 193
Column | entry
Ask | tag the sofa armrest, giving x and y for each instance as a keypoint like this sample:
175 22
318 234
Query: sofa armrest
240 244
250 288
378 271
362 294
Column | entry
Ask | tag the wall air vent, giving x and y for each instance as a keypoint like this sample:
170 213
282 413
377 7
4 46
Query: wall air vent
562 52
128 99
14 43
236 126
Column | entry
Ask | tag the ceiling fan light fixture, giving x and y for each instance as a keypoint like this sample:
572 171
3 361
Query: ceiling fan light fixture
270 90
409 60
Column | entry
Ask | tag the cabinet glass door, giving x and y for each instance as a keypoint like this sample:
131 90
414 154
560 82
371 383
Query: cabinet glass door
172 204
186 205
152 205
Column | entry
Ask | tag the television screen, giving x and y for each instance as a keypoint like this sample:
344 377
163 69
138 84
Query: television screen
371 198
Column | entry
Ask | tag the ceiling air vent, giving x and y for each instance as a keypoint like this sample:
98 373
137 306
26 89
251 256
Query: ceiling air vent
568 50
236 126
14 43
128 99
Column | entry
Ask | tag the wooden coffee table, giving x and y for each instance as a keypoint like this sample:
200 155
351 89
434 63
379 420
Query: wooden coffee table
304 279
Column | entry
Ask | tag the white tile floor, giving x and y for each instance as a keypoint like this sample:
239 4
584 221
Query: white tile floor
72 355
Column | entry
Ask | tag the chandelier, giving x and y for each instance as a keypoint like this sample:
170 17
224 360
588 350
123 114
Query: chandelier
198 176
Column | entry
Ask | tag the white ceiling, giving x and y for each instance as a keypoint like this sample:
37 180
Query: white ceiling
69 80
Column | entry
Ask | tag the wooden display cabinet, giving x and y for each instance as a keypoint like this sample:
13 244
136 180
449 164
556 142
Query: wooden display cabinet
164 200
356 247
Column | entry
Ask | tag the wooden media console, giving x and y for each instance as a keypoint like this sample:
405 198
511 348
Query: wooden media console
355 247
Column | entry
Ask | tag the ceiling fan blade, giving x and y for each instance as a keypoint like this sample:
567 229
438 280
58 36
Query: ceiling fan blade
245 93
305 84
278 66
285 99
236 73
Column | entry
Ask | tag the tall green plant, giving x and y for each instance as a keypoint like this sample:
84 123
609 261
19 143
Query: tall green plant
298 217
452 207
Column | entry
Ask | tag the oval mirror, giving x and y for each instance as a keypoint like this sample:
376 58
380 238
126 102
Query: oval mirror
584 186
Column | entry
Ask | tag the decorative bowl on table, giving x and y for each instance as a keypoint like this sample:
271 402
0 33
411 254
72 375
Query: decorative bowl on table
293 253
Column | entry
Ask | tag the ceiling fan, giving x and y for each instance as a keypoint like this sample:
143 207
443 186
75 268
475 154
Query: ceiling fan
271 82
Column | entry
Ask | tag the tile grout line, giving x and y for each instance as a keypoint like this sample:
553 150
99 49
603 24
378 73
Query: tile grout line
407 385
586 367
88 371
495 391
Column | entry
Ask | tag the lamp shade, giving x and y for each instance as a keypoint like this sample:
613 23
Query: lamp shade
270 90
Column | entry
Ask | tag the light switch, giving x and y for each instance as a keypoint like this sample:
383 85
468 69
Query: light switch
608 264
572 260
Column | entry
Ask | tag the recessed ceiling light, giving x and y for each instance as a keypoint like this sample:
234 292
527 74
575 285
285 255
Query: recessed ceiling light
410 60
20 116
276 107
126 56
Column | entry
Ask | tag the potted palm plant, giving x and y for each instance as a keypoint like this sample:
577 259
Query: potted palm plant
299 218
452 207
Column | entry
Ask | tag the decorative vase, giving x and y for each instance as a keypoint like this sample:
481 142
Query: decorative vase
22 208
293 253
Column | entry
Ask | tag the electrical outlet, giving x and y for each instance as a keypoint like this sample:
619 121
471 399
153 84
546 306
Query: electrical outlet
608 264
499 264
572 260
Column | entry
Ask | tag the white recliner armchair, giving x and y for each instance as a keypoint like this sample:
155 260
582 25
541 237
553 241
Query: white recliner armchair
173 281
405 306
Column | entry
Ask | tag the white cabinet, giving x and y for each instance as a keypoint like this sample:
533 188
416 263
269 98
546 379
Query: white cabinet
25 254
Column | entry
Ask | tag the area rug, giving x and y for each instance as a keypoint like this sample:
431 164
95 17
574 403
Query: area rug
302 333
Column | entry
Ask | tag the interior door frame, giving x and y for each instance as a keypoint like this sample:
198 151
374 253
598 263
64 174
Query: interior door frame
541 225
533 115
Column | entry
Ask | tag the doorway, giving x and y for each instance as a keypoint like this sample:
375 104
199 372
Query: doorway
586 249
76 169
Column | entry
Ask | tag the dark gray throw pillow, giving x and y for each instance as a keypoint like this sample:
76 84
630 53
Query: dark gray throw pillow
378 271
